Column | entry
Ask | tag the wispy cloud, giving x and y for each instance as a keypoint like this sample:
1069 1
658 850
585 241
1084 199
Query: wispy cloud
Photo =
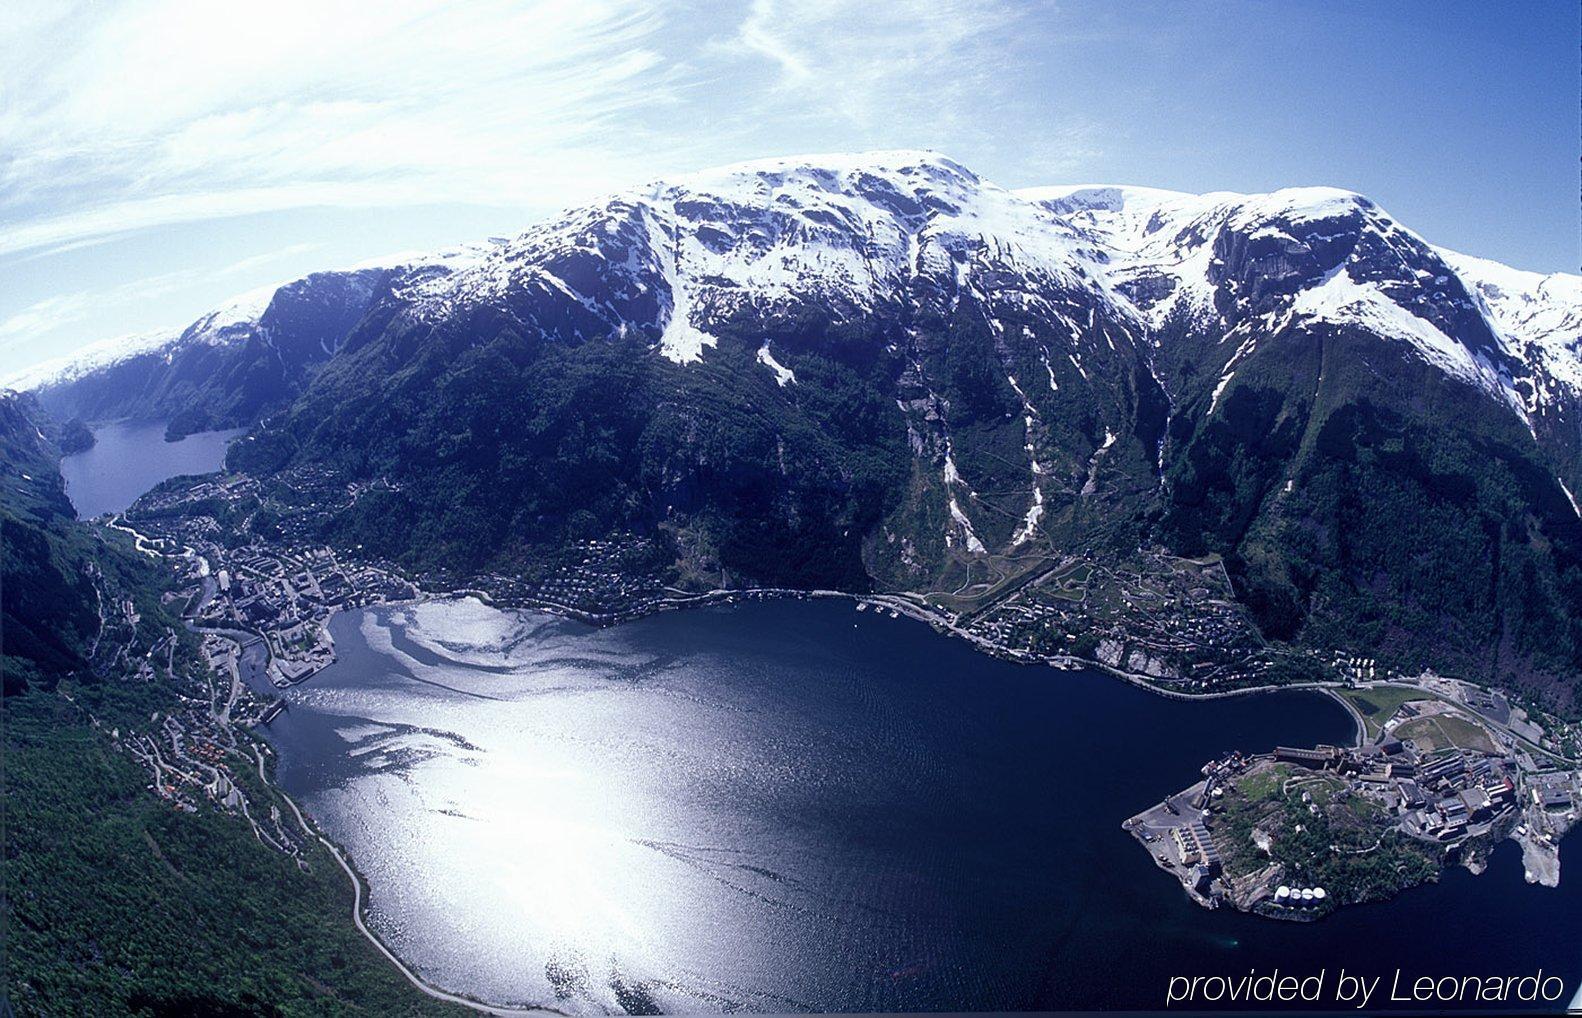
122 117
41 317
867 61
191 132
116 118
948 74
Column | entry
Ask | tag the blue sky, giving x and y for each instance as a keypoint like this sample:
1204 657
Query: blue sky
157 157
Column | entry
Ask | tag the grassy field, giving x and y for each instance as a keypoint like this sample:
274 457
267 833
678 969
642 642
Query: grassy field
1445 730
1264 783
1378 703
1341 842
1077 574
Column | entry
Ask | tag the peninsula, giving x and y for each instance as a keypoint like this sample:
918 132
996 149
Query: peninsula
1441 771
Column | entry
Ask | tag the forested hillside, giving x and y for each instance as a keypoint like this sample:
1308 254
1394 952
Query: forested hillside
118 901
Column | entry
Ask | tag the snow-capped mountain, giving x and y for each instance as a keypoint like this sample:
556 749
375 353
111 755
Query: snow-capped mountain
234 363
89 360
841 254
882 370
850 235
843 236
1539 322
1302 254
1250 266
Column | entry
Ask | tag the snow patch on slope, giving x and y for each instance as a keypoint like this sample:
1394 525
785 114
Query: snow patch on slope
973 544
783 375
1341 299
1570 498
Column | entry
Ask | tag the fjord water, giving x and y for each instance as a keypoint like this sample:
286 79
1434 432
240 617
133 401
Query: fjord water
130 457
793 806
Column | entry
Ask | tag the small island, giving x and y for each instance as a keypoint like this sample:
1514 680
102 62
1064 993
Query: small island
75 437
1442 770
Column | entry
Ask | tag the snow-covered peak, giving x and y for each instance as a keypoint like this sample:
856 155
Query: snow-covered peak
238 318
1127 215
1292 256
857 229
924 167
1077 198
1528 303
1503 277
1139 228
848 232
224 324
455 258
1539 316
241 311
1296 206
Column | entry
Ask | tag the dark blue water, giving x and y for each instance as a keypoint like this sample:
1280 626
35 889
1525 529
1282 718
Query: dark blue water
130 457
790 805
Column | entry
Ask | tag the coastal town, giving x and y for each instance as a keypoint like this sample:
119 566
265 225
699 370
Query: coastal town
197 749
256 563
1442 770
1172 622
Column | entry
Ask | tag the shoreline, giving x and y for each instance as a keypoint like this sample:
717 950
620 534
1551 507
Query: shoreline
903 604
912 605
899 602
360 895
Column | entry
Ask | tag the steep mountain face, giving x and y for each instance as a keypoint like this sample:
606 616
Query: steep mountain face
1381 458
47 598
883 371
1539 319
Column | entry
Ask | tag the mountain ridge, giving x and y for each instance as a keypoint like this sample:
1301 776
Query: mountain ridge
882 372
1556 295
